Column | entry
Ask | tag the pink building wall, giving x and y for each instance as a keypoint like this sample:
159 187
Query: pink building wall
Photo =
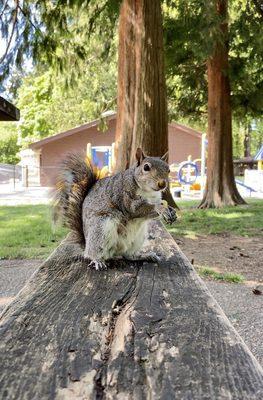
54 152
183 141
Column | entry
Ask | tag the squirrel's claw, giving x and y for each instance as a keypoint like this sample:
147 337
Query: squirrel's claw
152 257
148 257
169 215
97 265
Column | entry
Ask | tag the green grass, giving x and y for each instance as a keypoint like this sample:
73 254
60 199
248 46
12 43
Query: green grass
207 272
241 220
26 232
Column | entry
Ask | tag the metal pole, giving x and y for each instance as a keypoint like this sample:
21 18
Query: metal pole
27 176
14 177
203 164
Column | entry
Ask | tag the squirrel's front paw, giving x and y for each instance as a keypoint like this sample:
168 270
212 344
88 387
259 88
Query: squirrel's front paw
97 265
168 213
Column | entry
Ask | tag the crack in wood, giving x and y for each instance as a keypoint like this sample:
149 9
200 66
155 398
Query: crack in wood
152 284
118 309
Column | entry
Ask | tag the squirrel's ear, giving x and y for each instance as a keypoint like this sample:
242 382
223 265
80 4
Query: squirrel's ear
165 156
139 156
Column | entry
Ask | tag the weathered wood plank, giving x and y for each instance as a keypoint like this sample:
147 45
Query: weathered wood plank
131 332
8 112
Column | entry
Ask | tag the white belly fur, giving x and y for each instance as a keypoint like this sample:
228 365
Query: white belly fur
131 240
128 242
153 197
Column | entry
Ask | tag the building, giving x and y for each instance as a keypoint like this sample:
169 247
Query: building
42 159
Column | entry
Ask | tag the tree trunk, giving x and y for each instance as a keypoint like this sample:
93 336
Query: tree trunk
142 109
141 106
220 187
247 141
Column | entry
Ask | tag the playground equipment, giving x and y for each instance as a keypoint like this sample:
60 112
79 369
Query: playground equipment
101 156
253 180
190 174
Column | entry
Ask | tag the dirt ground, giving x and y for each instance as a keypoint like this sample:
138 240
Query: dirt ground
226 253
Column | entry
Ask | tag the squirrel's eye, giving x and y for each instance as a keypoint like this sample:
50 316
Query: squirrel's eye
146 167
169 171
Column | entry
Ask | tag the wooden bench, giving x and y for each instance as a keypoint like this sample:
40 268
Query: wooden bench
135 331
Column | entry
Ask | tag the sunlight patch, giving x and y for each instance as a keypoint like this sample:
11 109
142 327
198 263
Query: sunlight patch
234 215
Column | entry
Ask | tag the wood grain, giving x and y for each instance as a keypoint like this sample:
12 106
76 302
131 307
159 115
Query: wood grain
135 331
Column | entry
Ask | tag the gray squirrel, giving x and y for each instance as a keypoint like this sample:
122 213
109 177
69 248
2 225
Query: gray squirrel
110 215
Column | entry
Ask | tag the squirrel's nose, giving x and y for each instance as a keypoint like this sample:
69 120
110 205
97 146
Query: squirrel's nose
161 184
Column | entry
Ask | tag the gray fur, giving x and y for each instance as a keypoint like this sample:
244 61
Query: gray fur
116 209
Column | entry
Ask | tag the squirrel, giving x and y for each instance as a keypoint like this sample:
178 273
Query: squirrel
110 215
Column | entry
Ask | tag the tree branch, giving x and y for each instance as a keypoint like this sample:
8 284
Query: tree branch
3 9
12 32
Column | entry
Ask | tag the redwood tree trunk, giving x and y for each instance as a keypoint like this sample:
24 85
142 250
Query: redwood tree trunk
220 187
141 106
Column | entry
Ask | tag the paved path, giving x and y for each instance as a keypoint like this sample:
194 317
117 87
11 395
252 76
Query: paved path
33 195
242 307
13 276
245 311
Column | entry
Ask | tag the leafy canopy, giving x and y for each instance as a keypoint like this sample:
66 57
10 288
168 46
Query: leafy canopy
189 29
54 33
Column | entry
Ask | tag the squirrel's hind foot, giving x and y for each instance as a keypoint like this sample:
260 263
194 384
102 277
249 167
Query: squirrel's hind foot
148 257
97 265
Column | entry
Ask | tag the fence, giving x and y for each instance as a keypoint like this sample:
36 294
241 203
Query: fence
10 175
15 177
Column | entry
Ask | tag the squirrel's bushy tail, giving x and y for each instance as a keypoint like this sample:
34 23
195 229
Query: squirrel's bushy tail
76 177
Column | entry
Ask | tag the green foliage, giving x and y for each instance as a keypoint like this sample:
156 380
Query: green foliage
245 57
73 44
190 31
34 99
239 129
47 107
8 143
55 33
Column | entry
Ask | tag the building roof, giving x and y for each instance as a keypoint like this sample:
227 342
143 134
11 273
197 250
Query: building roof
72 131
108 116
186 129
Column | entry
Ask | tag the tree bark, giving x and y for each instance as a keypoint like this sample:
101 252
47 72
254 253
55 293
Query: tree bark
220 187
142 109
141 106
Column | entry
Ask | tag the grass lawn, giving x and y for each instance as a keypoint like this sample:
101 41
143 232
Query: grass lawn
218 276
26 232
241 220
